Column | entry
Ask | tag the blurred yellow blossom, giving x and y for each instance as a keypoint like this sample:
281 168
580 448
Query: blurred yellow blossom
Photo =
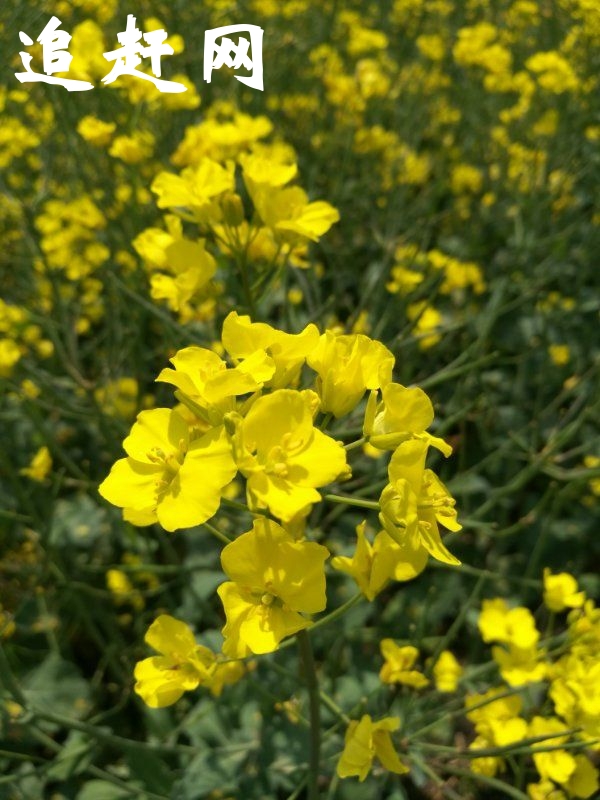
39 467
366 740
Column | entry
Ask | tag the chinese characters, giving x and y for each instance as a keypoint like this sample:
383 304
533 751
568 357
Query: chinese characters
217 55
246 54
55 58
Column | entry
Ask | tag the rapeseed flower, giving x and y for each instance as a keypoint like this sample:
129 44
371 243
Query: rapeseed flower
373 565
171 475
415 502
402 414
181 666
274 581
205 379
242 338
284 457
560 591
366 740
288 212
196 188
499 623
348 365
398 666
39 467
447 672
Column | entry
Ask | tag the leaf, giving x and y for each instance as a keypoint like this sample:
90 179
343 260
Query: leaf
75 756
57 686
103 790
78 521
150 770
204 582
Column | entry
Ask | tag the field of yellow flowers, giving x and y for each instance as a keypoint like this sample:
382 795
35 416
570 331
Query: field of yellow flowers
300 400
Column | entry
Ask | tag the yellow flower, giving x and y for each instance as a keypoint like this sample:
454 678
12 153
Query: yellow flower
274 580
402 414
560 354
195 188
373 566
554 73
575 688
95 131
118 398
447 672
242 338
260 170
122 589
485 765
181 666
288 211
515 626
190 265
348 365
283 456
133 149
431 46
426 319
560 591
10 353
398 665
520 665
496 721
545 790
591 462
225 674
554 765
360 565
170 475
416 501
39 467
466 179
206 380
584 780
366 740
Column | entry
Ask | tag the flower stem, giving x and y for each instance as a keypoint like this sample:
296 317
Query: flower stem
351 501
357 443
312 684
217 533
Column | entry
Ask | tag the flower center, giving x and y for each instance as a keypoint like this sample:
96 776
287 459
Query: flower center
277 462
170 462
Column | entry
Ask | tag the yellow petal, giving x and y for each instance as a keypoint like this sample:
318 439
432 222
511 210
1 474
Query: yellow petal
131 484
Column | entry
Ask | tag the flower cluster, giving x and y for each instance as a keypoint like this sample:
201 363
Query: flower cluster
561 673
282 223
249 418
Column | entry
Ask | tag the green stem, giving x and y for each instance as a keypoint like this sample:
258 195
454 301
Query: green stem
424 767
492 783
217 533
8 681
242 264
312 684
340 611
351 501
357 443
326 420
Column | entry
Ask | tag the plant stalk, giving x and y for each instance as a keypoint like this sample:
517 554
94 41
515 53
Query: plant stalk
312 685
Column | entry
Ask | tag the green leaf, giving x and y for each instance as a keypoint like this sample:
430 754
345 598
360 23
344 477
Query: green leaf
57 686
103 790
151 771
75 756
78 521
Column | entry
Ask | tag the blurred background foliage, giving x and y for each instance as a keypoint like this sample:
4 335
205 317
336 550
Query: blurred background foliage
459 142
